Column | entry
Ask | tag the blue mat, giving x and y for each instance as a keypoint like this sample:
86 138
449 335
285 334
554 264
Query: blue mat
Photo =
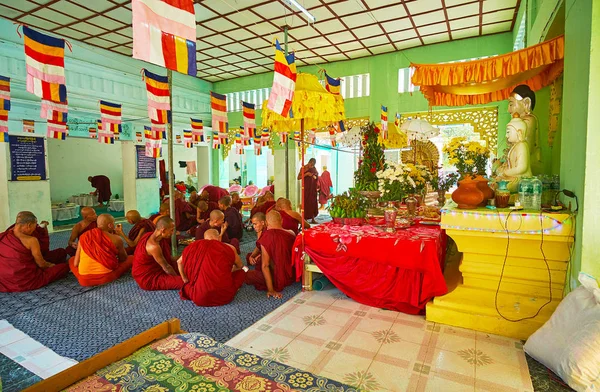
14 377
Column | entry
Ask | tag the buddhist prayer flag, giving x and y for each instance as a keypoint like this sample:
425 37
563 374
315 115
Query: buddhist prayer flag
188 139
92 132
157 90
57 130
4 93
332 133
29 126
332 85
54 111
284 83
110 112
164 33
155 132
397 120
138 136
384 122
153 148
283 138
4 125
218 105
106 138
257 145
312 136
197 130
215 139
264 137
249 112
297 137
178 139
239 147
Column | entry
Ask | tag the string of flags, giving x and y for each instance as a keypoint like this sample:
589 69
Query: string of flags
239 146
153 142
218 105
384 121
4 107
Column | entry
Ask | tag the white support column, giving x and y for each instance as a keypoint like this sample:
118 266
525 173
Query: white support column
138 194
204 163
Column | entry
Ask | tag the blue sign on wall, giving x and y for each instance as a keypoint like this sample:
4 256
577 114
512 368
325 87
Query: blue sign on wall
27 158
146 166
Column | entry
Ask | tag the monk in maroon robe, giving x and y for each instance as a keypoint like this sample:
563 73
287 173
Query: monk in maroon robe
236 202
259 222
140 227
324 187
185 216
212 271
86 224
204 209
213 193
22 265
267 202
276 246
153 266
55 256
232 218
101 256
102 185
217 222
164 210
311 179
290 219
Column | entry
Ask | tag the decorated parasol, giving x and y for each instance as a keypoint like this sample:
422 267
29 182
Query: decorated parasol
418 130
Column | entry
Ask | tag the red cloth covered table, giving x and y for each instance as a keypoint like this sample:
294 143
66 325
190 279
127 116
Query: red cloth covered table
398 271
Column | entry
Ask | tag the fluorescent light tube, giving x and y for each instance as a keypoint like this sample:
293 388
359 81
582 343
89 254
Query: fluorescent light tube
310 17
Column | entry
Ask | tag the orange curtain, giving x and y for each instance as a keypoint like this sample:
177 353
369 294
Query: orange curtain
492 79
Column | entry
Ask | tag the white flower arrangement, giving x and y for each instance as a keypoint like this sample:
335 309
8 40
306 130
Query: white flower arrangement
400 179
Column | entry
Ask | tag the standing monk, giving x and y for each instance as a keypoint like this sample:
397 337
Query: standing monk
324 185
212 271
213 193
276 246
23 267
100 257
102 185
140 227
55 256
153 267
87 223
311 178
232 218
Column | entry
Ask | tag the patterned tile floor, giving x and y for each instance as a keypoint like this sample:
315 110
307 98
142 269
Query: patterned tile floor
377 350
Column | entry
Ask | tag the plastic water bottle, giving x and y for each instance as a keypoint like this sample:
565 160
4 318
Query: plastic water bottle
526 193
536 196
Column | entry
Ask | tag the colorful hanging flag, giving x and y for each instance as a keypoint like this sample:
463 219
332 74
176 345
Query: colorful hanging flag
244 136
4 125
397 120
384 122
110 113
164 33
283 138
197 130
153 148
45 63
249 112
264 137
106 138
332 133
138 136
54 111
297 138
155 132
178 139
187 138
257 144
332 85
157 90
4 93
92 132
312 136
239 147
57 130
284 83
29 126
218 104
215 140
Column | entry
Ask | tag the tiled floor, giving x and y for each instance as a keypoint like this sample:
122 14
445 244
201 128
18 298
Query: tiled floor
377 350
29 353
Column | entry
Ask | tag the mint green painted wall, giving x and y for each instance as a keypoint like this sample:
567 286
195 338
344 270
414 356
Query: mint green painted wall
383 70
540 19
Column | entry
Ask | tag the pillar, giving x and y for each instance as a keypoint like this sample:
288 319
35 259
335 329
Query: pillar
204 165
293 166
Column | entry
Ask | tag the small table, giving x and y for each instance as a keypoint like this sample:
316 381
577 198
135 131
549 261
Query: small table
116 205
84 200
399 271
65 213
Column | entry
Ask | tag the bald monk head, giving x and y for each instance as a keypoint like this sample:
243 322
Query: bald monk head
259 221
165 209
269 196
274 220
88 214
283 204
211 234
216 218
133 216
26 222
165 227
202 206
224 203
106 223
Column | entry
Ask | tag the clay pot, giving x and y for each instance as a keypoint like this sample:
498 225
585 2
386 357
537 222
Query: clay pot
488 193
468 196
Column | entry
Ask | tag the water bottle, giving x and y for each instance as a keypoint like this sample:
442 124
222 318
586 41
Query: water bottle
526 192
536 197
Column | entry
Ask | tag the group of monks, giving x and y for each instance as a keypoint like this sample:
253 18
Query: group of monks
209 272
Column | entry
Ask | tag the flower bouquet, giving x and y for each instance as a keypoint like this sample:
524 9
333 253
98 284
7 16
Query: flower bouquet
399 180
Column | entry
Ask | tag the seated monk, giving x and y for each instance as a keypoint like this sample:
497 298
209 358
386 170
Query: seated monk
217 222
232 218
194 199
259 222
268 201
212 271
236 202
140 227
213 193
153 267
55 256
88 223
184 213
23 267
276 246
290 218
101 256
164 210
204 209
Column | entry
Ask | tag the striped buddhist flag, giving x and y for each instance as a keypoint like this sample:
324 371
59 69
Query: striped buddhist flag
28 126
239 147
178 139
397 120
4 93
164 33
223 133
57 130
283 138
332 133
340 127
138 136
54 111
45 64
257 144
153 148
110 112
384 118
312 136
106 138
4 125
157 90
218 105
154 133
3 137
284 83
188 138
215 140
93 133
197 130
249 112
264 137
297 138
332 85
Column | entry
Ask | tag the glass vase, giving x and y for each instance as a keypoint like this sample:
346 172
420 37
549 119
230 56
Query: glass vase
390 214
411 205
441 198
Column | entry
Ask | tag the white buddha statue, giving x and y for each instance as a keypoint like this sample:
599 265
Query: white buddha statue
522 102
518 162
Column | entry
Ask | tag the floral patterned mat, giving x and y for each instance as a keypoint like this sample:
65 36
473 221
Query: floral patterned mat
195 362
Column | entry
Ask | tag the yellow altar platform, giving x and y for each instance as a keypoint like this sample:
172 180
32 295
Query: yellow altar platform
483 236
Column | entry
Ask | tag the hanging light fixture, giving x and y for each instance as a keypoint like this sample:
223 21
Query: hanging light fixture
309 16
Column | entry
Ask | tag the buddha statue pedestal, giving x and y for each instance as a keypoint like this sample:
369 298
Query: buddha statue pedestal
481 237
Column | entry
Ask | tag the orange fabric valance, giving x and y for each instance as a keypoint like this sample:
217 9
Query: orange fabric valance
492 79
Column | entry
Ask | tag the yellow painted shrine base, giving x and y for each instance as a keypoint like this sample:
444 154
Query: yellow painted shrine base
482 238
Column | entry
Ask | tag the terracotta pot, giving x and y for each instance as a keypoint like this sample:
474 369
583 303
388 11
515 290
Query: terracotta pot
468 196
482 185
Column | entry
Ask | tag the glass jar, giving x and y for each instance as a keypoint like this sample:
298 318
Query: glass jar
411 205
536 196
390 214
526 193
502 194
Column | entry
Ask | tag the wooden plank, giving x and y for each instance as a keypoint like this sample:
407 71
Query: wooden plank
84 369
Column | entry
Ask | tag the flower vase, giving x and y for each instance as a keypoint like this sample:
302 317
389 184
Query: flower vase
441 198
390 214
482 185
411 205
468 196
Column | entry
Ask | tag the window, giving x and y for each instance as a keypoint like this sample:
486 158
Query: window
354 86
520 39
404 83
257 97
